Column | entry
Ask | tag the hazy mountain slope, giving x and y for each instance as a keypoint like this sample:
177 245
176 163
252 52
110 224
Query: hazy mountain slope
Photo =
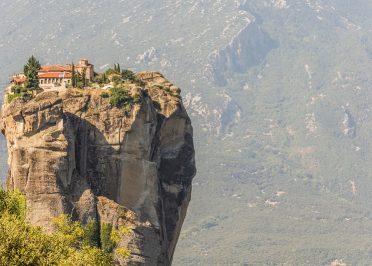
279 94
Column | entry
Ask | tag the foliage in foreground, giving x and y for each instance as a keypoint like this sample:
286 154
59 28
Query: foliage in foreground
71 243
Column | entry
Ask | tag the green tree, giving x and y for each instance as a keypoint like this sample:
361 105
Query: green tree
12 203
73 75
24 244
91 234
84 76
119 97
77 79
127 74
117 68
31 70
110 71
107 243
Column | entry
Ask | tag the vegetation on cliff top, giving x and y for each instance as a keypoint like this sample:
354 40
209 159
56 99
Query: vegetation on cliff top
119 97
120 81
31 72
117 75
116 79
71 244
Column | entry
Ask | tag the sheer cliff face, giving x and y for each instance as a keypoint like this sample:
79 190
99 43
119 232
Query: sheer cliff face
72 152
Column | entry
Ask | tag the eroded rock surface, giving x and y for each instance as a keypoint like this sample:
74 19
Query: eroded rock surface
73 152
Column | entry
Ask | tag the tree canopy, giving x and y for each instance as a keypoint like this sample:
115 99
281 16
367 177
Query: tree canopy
71 244
31 70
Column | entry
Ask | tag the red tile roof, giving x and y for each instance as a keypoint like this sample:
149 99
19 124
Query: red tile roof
53 71
55 75
55 68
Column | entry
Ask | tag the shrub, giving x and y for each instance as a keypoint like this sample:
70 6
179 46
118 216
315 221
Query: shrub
164 88
13 203
11 97
159 86
100 78
24 244
17 92
136 99
105 94
139 82
116 78
119 97
87 256
107 243
16 89
110 239
128 75
80 84
123 252
111 71
91 234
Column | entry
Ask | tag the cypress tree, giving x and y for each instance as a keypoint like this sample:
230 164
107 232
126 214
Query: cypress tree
73 78
84 76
